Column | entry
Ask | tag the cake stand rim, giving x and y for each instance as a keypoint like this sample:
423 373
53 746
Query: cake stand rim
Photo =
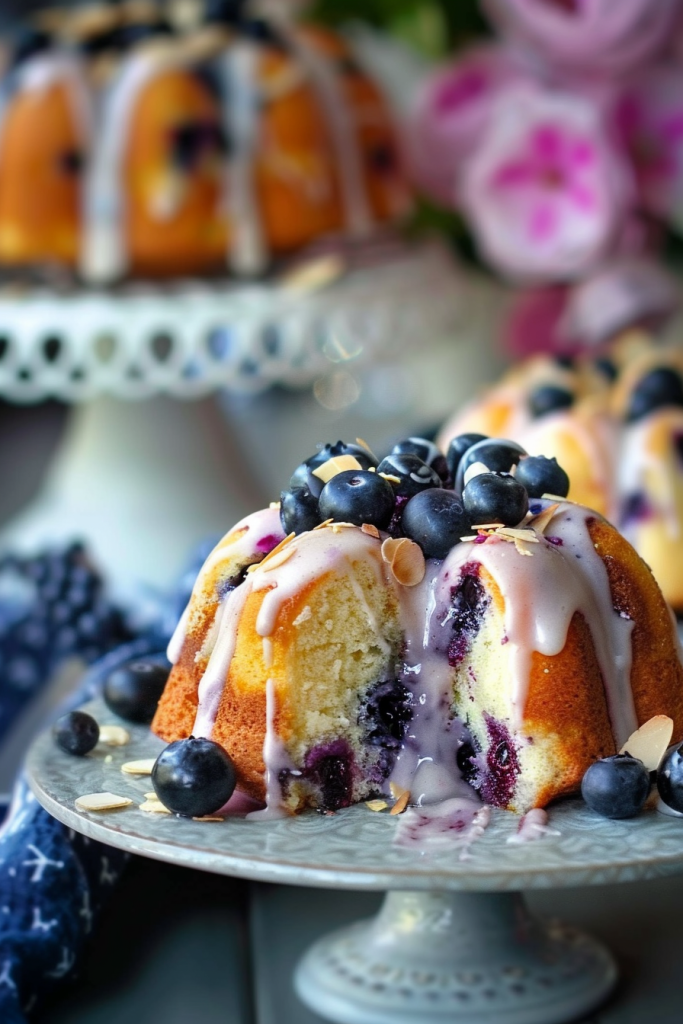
273 868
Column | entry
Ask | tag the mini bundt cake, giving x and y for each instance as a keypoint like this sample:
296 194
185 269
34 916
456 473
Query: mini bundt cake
380 632
130 148
616 425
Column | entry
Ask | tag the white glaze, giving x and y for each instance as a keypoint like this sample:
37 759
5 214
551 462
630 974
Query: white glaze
542 593
348 162
238 67
455 823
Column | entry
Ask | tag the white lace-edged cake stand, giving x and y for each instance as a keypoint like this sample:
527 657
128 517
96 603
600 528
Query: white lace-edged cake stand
453 942
173 464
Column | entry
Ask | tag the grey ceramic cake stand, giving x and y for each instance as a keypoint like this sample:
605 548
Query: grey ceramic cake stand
453 941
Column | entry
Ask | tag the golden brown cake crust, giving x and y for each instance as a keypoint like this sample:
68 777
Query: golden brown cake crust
656 672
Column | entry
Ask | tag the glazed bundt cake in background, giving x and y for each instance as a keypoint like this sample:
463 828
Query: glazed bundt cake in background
130 148
615 424
380 631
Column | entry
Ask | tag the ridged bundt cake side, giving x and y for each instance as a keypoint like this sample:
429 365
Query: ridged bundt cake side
327 678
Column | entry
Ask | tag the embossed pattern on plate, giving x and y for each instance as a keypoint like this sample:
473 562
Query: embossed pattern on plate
354 849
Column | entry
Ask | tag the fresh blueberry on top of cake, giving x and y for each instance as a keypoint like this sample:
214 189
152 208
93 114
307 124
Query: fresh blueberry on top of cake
488 648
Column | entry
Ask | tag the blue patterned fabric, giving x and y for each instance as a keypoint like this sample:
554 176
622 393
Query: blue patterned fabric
53 881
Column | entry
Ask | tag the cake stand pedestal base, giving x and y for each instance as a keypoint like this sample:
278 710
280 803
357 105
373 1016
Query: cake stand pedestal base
478 958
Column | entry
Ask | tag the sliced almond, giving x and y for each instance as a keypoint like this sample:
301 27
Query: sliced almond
280 559
278 548
275 504
397 791
650 742
364 444
390 478
371 530
114 735
154 807
209 817
339 464
143 767
408 565
526 535
521 548
401 804
338 527
376 805
102 802
389 548
542 520
321 526
151 796
489 526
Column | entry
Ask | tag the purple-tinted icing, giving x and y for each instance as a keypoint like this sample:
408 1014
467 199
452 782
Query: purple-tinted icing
635 509
267 543
556 541
497 782
395 527
468 603
330 766
481 538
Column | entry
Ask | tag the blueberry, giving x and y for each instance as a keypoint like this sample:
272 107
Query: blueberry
425 450
542 476
134 689
606 368
298 511
495 498
356 496
670 778
616 787
412 473
193 777
497 454
567 362
303 475
549 398
457 448
76 733
436 520
657 389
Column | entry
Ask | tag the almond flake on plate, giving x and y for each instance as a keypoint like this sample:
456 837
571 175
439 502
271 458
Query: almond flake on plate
376 805
154 807
114 735
102 802
143 767
401 804
209 817
650 742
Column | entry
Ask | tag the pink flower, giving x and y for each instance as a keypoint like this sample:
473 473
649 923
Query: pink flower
450 116
545 191
648 118
600 36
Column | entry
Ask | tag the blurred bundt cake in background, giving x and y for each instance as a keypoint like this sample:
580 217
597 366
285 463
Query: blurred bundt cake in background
130 146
